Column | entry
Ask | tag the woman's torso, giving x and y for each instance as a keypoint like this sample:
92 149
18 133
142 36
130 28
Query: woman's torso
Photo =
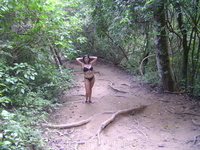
88 70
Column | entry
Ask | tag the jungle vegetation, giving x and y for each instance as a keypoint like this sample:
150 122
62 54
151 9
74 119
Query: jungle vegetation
158 41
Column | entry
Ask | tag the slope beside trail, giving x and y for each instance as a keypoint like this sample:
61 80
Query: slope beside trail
165 124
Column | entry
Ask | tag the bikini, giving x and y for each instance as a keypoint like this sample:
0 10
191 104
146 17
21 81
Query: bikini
87 69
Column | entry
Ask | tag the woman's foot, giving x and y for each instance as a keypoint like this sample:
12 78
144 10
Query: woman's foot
91 102
84 102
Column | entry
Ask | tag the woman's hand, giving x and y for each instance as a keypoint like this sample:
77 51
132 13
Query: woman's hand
94 59
79 61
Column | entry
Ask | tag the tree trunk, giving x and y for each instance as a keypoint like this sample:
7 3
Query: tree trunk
55 58
161 49
184 42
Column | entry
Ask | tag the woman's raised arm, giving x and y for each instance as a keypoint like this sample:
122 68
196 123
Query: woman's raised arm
94 59
79 61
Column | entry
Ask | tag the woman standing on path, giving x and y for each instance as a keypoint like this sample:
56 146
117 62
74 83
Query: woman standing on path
89 79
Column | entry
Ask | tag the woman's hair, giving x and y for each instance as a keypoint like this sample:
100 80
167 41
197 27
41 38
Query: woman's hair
84 58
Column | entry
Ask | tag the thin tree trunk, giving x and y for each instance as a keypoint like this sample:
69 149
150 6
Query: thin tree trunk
184 42
58 54
56 58
161 49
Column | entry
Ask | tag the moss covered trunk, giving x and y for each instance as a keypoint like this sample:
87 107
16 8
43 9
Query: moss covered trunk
161 49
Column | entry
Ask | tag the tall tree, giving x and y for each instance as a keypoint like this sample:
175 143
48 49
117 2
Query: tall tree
185 46
161 48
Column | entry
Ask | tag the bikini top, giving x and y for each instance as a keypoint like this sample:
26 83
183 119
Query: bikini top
86 69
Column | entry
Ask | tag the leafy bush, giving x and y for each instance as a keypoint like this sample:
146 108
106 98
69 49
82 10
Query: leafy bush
17 134
24 85
3 99
31 92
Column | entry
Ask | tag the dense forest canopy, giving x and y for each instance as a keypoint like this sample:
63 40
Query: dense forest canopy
158 40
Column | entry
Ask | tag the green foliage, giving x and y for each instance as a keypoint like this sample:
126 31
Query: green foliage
29 82
196 89
122 32
39 94
151 77
33 32
23 84
121 28
17 134
36 94
3 99
17 77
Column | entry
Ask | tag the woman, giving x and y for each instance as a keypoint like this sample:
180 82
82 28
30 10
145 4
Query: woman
89 78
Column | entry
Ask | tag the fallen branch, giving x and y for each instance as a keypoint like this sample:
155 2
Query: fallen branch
119 112
62 126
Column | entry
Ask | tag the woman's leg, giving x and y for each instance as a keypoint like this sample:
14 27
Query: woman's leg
91 86
87 89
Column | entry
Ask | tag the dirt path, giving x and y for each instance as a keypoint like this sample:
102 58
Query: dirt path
165 124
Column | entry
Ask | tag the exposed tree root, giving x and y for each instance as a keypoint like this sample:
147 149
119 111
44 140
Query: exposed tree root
62 126
116 89
103 125
195 123
182 113
119 112
196 140
141 130
75 124
181 92
141 124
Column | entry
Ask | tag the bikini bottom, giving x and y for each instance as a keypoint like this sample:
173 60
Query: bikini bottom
90 79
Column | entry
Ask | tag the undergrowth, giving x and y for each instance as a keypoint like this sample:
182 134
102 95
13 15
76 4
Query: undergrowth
27 95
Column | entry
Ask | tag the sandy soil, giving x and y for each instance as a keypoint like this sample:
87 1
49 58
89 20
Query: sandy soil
165 124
